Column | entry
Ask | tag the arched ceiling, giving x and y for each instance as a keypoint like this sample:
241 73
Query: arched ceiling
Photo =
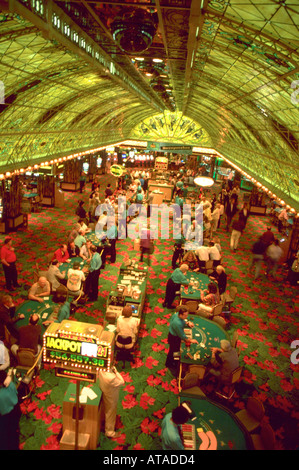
231 67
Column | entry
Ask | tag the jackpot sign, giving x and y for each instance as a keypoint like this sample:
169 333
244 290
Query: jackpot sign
78 346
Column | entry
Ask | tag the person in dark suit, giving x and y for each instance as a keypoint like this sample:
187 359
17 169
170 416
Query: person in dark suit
230 211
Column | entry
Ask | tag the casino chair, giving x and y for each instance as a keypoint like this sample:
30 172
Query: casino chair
209 267
251 417
189 384
26 358
206 311
192 306
124 347
227 390
228 299
265 440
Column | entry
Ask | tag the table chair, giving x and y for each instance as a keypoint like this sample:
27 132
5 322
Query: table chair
227 390
189 383
228 299
251 417
206 311
265 440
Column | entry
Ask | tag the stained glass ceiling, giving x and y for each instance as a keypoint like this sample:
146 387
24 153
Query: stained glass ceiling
78 75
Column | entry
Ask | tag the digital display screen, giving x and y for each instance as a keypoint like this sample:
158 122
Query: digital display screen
134 309
89 349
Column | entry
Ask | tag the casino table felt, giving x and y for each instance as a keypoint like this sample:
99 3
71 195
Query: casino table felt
208 334
45 310
216 427
192 292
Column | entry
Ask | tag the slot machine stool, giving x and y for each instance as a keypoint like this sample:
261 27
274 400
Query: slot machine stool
89 420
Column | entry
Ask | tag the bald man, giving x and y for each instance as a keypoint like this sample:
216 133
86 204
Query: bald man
40 290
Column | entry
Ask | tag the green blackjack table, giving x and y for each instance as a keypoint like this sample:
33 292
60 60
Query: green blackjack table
214 427
193 292
208 334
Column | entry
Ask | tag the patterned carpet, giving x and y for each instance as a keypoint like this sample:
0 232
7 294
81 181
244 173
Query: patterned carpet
265 315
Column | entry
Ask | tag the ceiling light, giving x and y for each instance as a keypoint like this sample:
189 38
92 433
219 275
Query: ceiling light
139 58
157 60
203 181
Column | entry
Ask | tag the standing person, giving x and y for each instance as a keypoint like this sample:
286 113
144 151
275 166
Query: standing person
173 285
112 234
273 255
219 276
237 229
9 413
177 334
82 182
258 251
230 211
215 215
146 245
8 260
92 280
171 433
8 318
244 214
110 384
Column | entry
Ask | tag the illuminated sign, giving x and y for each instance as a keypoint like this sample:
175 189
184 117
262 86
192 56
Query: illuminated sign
78 349
116 170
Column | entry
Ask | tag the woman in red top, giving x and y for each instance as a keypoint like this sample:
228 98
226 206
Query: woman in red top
8 260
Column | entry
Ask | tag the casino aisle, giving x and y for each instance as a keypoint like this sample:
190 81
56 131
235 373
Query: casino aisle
263 316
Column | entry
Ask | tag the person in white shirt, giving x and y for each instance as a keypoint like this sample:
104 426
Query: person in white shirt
54 276
85 251
214 254
75 279
202 253
215 219
127 326
273 254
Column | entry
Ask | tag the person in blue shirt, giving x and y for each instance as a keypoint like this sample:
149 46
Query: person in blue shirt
171 432
176 334
173 285
92 280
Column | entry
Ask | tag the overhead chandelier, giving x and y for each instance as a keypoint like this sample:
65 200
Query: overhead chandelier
134 30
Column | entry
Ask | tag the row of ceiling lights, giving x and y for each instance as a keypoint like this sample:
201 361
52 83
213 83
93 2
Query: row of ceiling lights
154 69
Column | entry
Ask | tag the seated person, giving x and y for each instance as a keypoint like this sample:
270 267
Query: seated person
30 336
214 254
4 357
73 234
83 226
220 276
75 279
224 361
80 239
85 251
209 300
61 254
73 250
190 259
127 328
7 317
54 276
39 290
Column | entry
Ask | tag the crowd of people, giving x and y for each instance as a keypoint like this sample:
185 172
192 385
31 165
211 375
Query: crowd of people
224 206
